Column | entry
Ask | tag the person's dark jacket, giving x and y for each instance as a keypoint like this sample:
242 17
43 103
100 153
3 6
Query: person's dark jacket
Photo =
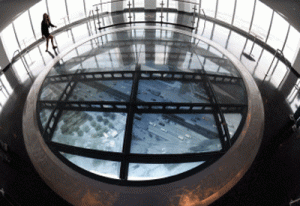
45 28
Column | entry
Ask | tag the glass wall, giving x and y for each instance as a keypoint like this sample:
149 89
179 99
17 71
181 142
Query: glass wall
75 9
293 98
36 14
243 15
209 7
292 45
226 10
8 35
57 12
279 32
89 5
23 30
262 21
252 16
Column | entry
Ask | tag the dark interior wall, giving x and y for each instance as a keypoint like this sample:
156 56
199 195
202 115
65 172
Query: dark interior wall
289 9
10 9
3 58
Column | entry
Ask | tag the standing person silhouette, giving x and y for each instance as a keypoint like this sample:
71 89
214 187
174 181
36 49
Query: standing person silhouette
46 23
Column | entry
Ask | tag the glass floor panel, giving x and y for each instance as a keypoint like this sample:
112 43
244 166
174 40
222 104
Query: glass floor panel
230 93
174 91
174 134
53 91
139 171
44 116
102 91
233 121
91 130
104 168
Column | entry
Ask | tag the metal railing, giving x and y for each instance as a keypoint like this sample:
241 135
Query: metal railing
92 17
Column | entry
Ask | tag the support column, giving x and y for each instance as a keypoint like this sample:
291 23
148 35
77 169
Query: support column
150 4
150 47
186 7
9 73
117 6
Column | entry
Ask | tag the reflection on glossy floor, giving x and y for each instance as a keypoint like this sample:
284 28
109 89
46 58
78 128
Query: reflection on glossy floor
272 180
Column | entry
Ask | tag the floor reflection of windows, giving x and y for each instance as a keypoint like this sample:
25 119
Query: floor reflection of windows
263 65
294 97
278 74
5 85
4 94
64 39
34 60
20 69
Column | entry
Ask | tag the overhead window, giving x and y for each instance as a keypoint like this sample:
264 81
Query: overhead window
291 48
225 10
262 20
36 14
75 9
209 7
24 30
57 12
243 15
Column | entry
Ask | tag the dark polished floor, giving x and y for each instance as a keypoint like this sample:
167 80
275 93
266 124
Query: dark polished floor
21 184
273 179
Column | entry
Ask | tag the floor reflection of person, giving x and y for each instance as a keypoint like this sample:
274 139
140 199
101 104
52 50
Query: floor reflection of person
46 23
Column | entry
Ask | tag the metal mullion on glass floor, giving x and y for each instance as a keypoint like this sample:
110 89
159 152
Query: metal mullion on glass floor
216 111
56 113
129 124
87 106
136 158
92 76
218 114
127 75
130 118
141 107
